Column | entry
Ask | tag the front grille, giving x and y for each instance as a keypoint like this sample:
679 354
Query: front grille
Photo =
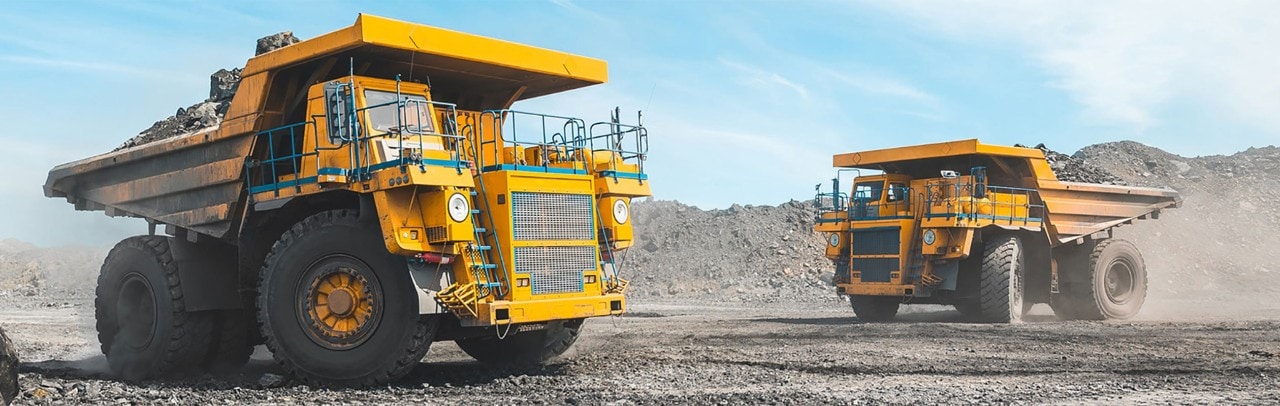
875 269
876 241
552 216
555 269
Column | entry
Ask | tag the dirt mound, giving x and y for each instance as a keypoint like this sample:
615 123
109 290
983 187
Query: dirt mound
27 270
742 254
208 113
1215 244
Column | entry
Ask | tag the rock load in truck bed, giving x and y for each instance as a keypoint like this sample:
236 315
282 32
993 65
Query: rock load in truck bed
208 113
1070 168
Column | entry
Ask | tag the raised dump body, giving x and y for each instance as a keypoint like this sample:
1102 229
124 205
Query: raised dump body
368 192
986 228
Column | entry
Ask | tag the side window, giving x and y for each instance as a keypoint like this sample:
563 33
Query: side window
868 191
897 192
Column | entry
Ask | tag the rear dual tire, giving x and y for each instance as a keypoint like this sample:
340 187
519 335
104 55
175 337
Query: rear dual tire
1102 281
143 324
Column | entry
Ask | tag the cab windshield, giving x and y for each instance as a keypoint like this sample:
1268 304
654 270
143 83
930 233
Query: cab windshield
868 191
414 119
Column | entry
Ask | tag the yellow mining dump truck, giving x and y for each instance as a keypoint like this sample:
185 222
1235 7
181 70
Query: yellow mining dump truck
988 229
370 191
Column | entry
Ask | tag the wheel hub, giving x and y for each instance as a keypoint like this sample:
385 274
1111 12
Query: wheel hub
1119 282
135 312
340 304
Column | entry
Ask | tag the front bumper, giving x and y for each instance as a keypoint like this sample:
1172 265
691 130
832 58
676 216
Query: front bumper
534 311
875 289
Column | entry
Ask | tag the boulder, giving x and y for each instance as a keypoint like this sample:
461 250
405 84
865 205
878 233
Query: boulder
273 42
223 84
8 369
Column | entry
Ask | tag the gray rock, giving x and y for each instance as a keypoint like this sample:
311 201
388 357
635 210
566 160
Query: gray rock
223 84
270 380
8 368
273 42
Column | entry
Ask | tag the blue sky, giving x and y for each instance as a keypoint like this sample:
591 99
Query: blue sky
745 101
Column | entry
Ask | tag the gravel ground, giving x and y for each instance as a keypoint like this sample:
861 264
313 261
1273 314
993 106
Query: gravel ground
669 353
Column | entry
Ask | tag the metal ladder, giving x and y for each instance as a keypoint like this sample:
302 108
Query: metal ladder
462 299
915 252
478 253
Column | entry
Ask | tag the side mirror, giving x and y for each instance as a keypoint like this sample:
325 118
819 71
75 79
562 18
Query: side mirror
340 113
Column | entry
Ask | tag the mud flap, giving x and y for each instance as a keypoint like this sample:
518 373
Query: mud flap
213 268
949 271
430 279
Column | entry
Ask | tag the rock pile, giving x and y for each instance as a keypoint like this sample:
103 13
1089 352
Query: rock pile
208 113
1072 169
27 270
276 41
742 254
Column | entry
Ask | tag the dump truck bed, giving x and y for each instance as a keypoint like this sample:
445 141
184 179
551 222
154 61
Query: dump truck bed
195 181
1079 209
1074 210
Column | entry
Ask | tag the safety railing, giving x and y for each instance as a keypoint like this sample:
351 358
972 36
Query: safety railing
894 205
830 202
554 140
408 137
978 202
265 174
612 136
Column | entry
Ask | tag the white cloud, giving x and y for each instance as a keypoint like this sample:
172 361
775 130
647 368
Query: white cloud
885 86
766 80
1126 61
90 66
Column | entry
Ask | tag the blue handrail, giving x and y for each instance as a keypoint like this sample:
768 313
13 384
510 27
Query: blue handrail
360 162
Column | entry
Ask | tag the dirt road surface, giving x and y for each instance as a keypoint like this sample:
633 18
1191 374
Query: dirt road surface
667 353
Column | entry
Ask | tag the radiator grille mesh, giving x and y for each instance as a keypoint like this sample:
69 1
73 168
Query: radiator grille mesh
555 269
551 216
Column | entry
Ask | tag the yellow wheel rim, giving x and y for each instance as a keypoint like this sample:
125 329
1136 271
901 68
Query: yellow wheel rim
340 302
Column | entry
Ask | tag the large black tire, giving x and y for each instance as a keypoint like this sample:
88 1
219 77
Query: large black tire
1107 281
8 369
143 325
524 349
233 337
1002 276
387 338
875 308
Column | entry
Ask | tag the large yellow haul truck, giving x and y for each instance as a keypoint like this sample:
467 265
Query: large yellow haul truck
370 191
988 229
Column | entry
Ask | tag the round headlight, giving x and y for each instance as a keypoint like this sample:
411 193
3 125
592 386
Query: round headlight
459 208
929 237
620 211
834 240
